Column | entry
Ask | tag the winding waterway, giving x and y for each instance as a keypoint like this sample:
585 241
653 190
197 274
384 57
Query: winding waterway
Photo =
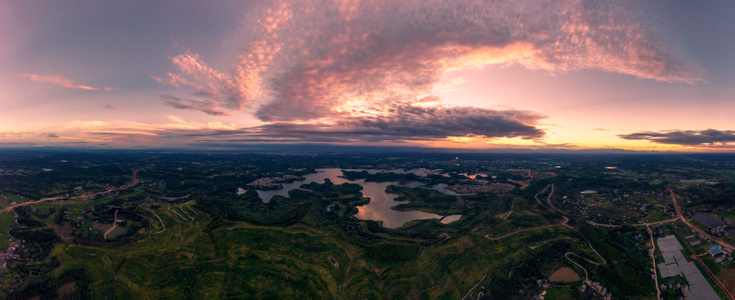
379 208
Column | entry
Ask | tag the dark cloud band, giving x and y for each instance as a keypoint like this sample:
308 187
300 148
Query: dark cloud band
685 138
403 123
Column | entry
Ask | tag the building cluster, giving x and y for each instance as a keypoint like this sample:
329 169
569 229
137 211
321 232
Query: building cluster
497 187
683 287
600 289
540 292
720 254
718 231
8 254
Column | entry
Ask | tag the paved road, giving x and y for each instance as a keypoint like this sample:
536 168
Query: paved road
700 231
473 288
653 262
83 197
548 198
541 192
114 225
637 224
694 256
563 222
586 276
551 208
159 219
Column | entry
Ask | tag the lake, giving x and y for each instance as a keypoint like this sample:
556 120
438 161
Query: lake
379 208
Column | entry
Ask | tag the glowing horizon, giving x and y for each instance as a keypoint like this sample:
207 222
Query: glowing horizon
653 76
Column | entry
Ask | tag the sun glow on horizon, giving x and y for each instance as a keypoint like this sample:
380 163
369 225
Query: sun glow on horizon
437 74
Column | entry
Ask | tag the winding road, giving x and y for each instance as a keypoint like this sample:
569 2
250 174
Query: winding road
586 276
114 225
543 191
159 219
548 200
180 216
551 208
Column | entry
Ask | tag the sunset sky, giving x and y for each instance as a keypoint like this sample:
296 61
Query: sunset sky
634 75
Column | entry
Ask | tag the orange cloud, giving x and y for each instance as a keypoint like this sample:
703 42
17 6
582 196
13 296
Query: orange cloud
304 60
63 82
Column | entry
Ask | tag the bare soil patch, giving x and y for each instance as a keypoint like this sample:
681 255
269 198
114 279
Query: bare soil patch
66 288
727 276
65 232
564 274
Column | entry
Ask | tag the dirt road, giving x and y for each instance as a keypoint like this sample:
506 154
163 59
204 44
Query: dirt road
692 226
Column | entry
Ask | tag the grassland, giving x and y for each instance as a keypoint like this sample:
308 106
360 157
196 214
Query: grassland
245 260
6 220
310 253
216 244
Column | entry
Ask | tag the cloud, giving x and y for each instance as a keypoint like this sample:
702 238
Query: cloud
389 124
399 122
110 107
27 134
306 59
136 134
416 122
129 127
207 106
10 139
707 137
63 82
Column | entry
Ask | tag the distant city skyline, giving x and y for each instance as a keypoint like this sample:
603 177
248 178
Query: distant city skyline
542 75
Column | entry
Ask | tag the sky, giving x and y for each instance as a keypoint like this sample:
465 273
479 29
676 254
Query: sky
635 75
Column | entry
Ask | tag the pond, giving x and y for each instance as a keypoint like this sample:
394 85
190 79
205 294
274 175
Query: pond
379 208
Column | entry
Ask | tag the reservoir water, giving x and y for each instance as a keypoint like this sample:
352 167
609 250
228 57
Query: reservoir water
379 208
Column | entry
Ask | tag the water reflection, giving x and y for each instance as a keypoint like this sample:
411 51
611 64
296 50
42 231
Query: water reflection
473 175
450 219
318 177
421 172
379 208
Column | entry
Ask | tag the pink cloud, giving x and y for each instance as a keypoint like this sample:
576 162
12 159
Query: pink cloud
63 82
305 60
